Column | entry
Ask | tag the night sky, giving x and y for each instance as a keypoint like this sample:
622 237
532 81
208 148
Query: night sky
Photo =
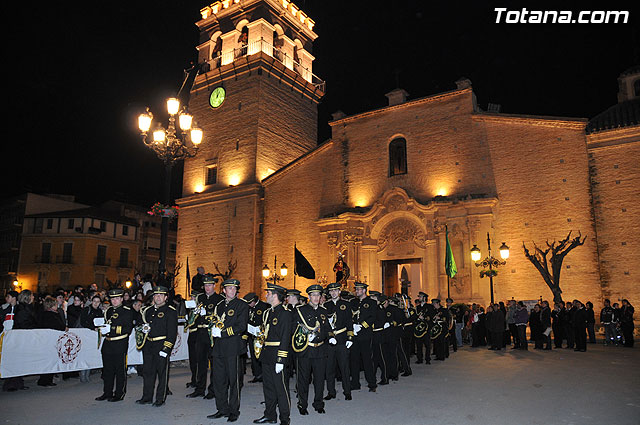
78 74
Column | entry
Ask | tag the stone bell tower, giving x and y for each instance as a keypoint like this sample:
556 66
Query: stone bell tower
256 99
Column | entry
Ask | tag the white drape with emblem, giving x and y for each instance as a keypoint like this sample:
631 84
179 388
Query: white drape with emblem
36 351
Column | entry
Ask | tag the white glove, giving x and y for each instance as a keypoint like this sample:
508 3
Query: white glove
348 344
163 354
333 341
356 328
253 330
312 337
279 367
203 311
105 329
216 332
248 351
386 325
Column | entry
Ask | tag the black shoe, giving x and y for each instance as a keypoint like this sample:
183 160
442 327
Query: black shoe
303 411
209 396
195 394
143 401
217 415
407 373
372 390
190 384
347 397
232 418
419 362
330 396
116 398
158 403
256 379
102 397
355 388
395 378
385 382
285 422
265 420
169 392
320 410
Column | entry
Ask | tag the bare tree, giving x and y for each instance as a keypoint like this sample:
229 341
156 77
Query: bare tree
542 262
231 267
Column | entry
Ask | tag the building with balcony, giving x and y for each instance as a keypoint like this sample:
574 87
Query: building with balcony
77 247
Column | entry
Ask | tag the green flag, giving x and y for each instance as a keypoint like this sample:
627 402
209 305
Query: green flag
449 262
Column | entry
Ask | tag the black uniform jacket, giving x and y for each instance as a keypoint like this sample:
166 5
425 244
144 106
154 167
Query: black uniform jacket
343 326
364 314
277 327
256 312
164 325
235 315
209 303
308 316
121 320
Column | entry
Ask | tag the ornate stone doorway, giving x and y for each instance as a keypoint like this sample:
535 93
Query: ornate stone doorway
400 276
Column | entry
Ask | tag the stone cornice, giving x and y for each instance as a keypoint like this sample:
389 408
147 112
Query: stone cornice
410 103
614 137
536 120
233 192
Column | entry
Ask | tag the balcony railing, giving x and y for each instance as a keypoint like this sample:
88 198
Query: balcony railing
262 46
101 261
64 259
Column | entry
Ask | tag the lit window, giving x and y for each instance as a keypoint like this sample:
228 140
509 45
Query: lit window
397 157
211 174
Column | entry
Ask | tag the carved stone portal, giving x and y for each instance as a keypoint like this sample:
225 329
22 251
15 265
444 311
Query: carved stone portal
400 233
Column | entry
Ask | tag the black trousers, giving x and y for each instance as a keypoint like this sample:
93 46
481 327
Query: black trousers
362 355
522 337
403 356
408 345
114 367
276 392
425 342
496 340
580 335
558 335
226 384
390 351
439 348
154 366
569 334
592 332
306 368
338 358
193 356
256 365
627 332
203 351
513 330
379 361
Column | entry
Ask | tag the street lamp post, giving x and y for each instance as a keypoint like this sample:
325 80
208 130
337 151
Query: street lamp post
275 277
489 262
171 145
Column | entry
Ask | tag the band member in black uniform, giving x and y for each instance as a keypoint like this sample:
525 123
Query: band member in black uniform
273 337
398 319
425 313
340 340
205 303
442 318
191 344
232 316
364 312
310 343
379 340
257 307
454 312
118 325
162 319
408 327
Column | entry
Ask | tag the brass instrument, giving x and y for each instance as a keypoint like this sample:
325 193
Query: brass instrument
437 327
422 326
332 320
213 321
258 341
142 331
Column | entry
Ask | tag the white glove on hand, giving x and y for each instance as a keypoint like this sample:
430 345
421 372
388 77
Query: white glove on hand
386 325
216 332
356 328
279 367
253 330
348 344
105 329
163 354
333 341
312 337
203 311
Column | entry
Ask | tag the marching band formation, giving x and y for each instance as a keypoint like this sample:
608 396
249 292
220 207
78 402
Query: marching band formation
331 335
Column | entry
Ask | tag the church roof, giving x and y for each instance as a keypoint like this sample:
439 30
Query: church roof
624 114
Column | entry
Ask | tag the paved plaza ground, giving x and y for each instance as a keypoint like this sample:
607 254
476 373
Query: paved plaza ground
474 386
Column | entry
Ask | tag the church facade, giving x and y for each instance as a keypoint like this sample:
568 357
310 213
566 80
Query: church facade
386 186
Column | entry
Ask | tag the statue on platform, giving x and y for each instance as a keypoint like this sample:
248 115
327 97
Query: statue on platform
342 270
